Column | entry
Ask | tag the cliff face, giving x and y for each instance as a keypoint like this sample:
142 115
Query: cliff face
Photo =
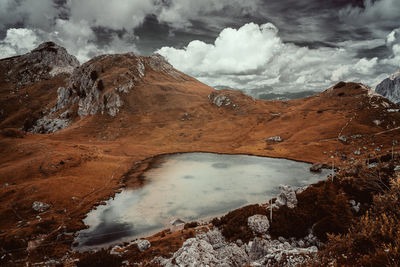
390 88
29 83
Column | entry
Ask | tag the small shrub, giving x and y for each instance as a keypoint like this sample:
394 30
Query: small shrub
234 224
375 239
191 225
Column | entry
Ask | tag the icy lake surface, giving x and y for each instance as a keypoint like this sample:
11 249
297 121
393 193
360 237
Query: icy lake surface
191 186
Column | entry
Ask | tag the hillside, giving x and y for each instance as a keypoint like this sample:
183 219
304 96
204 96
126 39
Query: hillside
73 137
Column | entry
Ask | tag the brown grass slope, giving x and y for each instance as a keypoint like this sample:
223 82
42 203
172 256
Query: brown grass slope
79 166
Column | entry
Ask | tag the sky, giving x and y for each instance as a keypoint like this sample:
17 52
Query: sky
285 46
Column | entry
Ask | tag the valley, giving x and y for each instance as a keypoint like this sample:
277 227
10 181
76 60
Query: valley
74 148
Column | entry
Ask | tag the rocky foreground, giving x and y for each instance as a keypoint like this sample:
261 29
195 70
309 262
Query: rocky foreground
73 135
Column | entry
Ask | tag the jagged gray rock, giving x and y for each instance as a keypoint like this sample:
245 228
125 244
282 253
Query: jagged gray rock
258 223
390 88
143 244
208 249
219 99
274 139
354 205
42 63
40 206
274 252
287 196
93 92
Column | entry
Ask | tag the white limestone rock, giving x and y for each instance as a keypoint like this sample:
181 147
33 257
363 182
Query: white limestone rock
208 249
40 206
219 99
143 244
287 196
42 63
274 139
258 223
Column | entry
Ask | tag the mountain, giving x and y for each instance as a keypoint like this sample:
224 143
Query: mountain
73 135
29 83
390 88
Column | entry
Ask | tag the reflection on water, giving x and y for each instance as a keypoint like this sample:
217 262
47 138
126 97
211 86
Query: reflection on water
191 186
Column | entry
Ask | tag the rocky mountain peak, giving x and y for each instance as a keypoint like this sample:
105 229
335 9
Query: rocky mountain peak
394 75
390 88
100 86
42 63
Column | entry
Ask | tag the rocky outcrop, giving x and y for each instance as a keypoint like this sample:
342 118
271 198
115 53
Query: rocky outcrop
42 63
390 88
222 99
266 252
211 249
99 85
51 125
259 224
143 244
40 206
286 197
274 139
159 64
208 249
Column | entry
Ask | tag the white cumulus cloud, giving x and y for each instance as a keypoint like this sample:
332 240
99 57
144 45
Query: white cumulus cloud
230 52
254 56
35 13
18 41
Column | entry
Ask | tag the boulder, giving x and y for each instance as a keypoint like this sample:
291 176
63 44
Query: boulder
177 222
259 224
40 206
208 249
287 196
219 99
274 139
42 63
143 244
343 138
316 167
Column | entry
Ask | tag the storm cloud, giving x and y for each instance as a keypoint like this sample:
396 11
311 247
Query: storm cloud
285 46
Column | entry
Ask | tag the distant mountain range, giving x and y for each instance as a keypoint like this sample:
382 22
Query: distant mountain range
267 93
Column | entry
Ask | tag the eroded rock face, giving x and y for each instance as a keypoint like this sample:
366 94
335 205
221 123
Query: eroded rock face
390 88
99 86
42 63
51 125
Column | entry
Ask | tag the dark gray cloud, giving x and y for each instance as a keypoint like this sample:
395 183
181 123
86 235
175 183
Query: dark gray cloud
314 43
